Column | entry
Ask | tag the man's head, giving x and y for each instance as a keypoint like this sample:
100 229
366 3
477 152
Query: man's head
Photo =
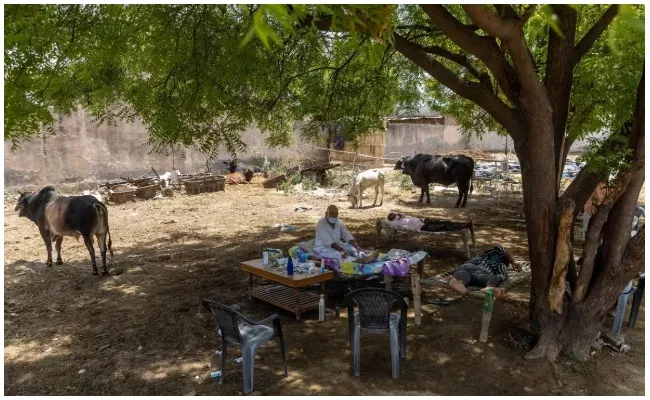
392 216
332 214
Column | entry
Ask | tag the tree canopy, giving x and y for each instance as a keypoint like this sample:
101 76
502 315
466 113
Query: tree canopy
196 74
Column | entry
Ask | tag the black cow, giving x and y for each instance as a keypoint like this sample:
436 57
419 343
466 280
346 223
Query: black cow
235 166
446 170
57 216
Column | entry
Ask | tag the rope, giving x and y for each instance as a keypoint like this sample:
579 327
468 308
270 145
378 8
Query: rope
355 153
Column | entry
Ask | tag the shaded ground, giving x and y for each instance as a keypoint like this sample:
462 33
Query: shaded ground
144 331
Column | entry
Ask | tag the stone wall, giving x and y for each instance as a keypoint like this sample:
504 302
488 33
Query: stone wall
81 151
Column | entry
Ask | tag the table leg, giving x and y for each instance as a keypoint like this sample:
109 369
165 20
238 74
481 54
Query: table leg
388 279
466 242
298 310
250 286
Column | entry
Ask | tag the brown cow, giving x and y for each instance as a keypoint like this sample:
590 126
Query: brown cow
57 216
235 178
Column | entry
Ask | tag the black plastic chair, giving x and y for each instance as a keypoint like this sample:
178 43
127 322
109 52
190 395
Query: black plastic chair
236 329
376 315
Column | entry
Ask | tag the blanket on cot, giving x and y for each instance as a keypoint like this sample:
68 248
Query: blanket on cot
394 263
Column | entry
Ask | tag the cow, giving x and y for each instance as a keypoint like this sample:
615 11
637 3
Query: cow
446 170
57 216
235 178
366 179
235 166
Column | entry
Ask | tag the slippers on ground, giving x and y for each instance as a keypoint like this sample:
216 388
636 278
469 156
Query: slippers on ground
443 302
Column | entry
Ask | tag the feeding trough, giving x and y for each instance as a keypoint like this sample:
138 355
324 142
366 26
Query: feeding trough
147 192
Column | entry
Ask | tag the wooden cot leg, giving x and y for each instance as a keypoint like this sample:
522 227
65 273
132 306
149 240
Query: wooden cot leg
466 243
421 267
473 236
416 289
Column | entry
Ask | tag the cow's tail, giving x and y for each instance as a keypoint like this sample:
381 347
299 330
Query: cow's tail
102 211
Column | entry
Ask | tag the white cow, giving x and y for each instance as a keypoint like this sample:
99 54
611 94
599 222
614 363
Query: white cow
366 179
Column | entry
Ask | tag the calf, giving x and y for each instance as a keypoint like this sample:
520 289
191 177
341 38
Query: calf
235 178
57 216
366 179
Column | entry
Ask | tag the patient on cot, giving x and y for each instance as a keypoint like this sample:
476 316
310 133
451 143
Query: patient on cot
488 270
401 221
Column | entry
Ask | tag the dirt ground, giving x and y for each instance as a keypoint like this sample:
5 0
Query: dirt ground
144 332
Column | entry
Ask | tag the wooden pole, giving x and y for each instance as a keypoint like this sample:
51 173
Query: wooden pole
416 289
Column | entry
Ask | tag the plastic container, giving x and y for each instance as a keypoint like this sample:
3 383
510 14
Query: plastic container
488 304
265 258
215 374
322 266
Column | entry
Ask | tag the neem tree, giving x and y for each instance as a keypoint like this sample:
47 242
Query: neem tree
545 75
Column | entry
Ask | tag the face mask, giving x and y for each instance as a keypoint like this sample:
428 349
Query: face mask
332 221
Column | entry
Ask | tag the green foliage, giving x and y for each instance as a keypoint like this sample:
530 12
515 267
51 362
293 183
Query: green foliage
202 74
194 75
309 183
604 85
617 160
404 182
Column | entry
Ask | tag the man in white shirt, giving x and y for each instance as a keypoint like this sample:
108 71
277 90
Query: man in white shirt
333 240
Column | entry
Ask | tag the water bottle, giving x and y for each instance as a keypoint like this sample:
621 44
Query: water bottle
322 266
290 267
488 305
321 308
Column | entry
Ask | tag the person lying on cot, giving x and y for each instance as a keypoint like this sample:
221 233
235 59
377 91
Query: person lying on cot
402 221
488 270
333 240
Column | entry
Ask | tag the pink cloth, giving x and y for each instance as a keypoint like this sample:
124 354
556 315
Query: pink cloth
406 222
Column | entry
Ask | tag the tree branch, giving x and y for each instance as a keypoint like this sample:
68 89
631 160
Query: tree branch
491 23
462 60
472 91
286 85
558 79
593 34
506 11
484 48
528 12
512 36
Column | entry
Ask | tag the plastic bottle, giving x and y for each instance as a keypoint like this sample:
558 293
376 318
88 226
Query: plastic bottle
322 266
290 267
321 308
488 305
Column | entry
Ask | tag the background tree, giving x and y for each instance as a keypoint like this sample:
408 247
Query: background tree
198 74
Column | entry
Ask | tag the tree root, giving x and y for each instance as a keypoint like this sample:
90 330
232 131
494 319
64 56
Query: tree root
557 375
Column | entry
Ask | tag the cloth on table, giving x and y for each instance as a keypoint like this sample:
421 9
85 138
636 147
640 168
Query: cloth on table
394 263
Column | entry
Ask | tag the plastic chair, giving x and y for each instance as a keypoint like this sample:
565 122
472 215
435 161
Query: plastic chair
620 308
636 300
236 329
375 316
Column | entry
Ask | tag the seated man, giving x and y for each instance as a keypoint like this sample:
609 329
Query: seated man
333 240
487 270
412 223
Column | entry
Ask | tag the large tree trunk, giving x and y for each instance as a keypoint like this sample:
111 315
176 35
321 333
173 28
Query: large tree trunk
573 326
